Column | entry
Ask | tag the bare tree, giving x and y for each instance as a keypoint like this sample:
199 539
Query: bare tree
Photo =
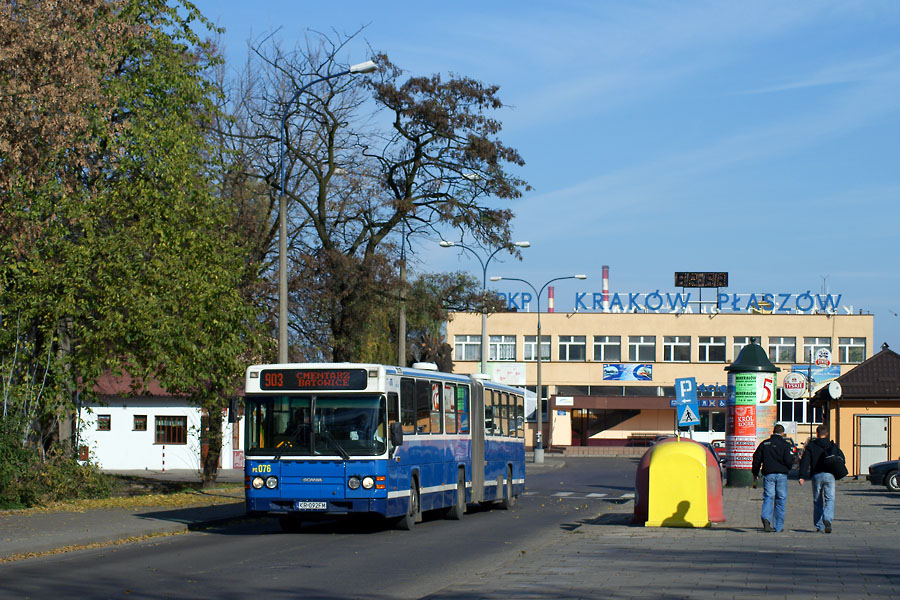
366 160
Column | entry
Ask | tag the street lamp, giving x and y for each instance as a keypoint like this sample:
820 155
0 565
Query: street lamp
484 266
364 67
538 444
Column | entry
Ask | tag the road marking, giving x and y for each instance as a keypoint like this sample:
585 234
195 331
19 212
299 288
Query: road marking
628 495
563 494
596 495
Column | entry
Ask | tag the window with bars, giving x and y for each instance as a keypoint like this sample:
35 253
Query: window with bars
676 348
608 348
530 348
573 347
782 349
812 344
171 430
501 347
851 350
467 347
711 348
641 348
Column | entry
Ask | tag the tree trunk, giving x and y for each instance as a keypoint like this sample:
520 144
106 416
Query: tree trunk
214 445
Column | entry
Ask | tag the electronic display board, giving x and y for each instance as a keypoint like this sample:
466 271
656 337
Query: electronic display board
701 280
293 380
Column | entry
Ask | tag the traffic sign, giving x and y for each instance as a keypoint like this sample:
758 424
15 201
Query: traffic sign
687 416
686 398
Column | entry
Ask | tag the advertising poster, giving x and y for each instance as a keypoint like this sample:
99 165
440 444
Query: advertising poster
739 451
627 372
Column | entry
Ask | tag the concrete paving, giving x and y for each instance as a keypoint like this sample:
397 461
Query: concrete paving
604 555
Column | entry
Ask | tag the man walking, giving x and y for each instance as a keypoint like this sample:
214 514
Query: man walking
813 463
775 457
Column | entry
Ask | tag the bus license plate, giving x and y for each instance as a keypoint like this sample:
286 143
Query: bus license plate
312 505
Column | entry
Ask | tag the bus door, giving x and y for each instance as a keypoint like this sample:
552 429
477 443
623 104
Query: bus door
476 422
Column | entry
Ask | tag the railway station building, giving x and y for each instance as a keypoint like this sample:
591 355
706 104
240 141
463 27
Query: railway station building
608 368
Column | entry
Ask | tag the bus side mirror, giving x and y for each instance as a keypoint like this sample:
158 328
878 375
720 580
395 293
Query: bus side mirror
396 434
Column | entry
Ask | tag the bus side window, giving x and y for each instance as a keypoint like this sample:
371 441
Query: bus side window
437 404
488 412
423 406
520 417
462 408
449 408
408 405
509 409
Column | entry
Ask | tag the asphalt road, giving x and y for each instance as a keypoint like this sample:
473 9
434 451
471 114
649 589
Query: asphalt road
348 559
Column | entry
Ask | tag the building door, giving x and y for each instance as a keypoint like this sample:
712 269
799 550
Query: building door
872 441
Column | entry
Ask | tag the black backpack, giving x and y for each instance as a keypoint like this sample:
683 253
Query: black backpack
833 462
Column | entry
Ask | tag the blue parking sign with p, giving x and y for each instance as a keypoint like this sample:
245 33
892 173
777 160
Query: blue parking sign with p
686 401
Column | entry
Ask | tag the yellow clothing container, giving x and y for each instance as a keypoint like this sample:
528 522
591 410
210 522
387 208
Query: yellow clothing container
677 487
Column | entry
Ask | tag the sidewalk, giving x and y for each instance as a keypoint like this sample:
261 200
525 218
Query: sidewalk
607 557
35 532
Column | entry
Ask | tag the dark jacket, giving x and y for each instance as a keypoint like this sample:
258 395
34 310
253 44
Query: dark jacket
774 455
812 460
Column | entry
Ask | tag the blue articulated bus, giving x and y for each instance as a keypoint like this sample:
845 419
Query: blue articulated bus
331 439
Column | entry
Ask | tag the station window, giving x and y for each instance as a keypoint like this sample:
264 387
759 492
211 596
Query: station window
739 342
467 347
852 350
171 430
641 348
711 348
608 348
573 347
502 347
782 349
676 348
812 344
530 349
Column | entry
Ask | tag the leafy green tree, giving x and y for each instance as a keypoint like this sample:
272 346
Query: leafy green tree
135 263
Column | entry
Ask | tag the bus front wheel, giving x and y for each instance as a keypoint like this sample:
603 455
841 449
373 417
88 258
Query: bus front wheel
408 521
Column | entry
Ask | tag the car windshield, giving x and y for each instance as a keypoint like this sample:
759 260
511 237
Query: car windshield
316 425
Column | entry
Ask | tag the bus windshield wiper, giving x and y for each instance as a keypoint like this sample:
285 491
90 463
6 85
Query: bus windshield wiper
327 435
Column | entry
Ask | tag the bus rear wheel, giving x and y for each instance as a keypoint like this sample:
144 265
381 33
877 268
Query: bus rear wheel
509 500
458 509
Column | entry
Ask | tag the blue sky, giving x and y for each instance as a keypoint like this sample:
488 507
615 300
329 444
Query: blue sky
757 138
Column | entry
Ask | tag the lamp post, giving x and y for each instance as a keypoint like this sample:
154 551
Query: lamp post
484 266
365 67
538 443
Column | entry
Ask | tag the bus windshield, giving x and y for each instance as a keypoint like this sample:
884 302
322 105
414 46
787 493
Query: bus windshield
312 425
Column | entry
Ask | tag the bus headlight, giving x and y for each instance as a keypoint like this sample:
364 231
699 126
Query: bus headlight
257 482
271 482
368 483
353 483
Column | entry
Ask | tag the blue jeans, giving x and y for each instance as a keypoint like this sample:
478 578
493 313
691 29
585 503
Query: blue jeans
823 499
774 499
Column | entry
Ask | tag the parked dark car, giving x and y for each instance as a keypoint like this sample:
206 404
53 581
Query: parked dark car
885 473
